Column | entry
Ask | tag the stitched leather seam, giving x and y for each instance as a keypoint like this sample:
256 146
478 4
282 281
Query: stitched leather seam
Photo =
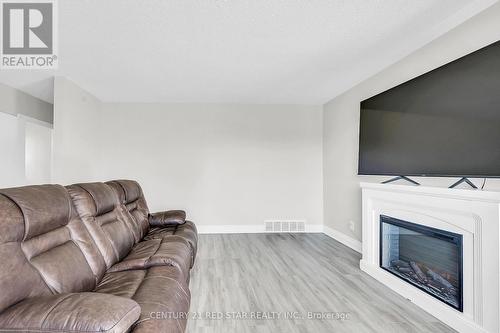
93 199
157 249
122 214
124 191
169 278
102 224
139 285
67 330
85 257
38 271
141 321
95 218
39 254
124 316
40 274
24 215
25 233
156 303
54 306
70 206
106 235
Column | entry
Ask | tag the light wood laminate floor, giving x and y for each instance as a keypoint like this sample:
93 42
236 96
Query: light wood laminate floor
293 274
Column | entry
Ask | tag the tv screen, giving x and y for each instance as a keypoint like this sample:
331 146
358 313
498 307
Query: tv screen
443 123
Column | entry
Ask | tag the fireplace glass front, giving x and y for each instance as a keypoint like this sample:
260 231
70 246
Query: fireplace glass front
428 258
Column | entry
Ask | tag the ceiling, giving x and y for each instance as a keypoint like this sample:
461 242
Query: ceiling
235 51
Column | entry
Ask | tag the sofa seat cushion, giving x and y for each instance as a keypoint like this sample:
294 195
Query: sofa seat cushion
168 251
160 232
76 312
161 292
187 231
123 284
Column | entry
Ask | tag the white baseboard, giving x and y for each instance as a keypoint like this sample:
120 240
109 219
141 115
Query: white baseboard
343 238
247 229
258 229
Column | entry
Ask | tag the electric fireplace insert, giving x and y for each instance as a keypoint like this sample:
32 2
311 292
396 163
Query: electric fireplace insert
428 258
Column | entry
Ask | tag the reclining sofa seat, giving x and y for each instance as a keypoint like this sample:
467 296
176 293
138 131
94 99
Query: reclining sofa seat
71 274
45 277
154 273
117 236
132 198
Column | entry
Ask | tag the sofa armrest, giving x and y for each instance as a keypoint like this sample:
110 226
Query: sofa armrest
168 218
78 312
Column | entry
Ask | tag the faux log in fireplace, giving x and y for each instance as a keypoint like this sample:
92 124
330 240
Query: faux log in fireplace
428 258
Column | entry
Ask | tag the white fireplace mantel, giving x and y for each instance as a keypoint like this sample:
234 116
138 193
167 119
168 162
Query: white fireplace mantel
474 214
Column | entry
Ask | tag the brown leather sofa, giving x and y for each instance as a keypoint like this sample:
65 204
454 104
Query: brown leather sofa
85 259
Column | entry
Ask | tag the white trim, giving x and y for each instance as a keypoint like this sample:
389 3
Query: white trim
474 214
343 238
247 229
314 228
35 121
260 229
427 304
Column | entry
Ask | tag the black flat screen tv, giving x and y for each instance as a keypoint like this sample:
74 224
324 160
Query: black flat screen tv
443 123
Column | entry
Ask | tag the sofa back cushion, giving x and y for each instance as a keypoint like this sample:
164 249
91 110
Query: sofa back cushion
39 245
132 198
99 208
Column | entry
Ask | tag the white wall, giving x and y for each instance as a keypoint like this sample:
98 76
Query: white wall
342 196
37 152
76 133
224 164
12 151
22 117
243 164
16 102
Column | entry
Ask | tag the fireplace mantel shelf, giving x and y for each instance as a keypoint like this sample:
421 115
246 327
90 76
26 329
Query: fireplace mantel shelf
464 194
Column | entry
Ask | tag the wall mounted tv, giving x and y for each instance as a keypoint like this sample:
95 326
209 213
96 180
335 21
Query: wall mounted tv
443 123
